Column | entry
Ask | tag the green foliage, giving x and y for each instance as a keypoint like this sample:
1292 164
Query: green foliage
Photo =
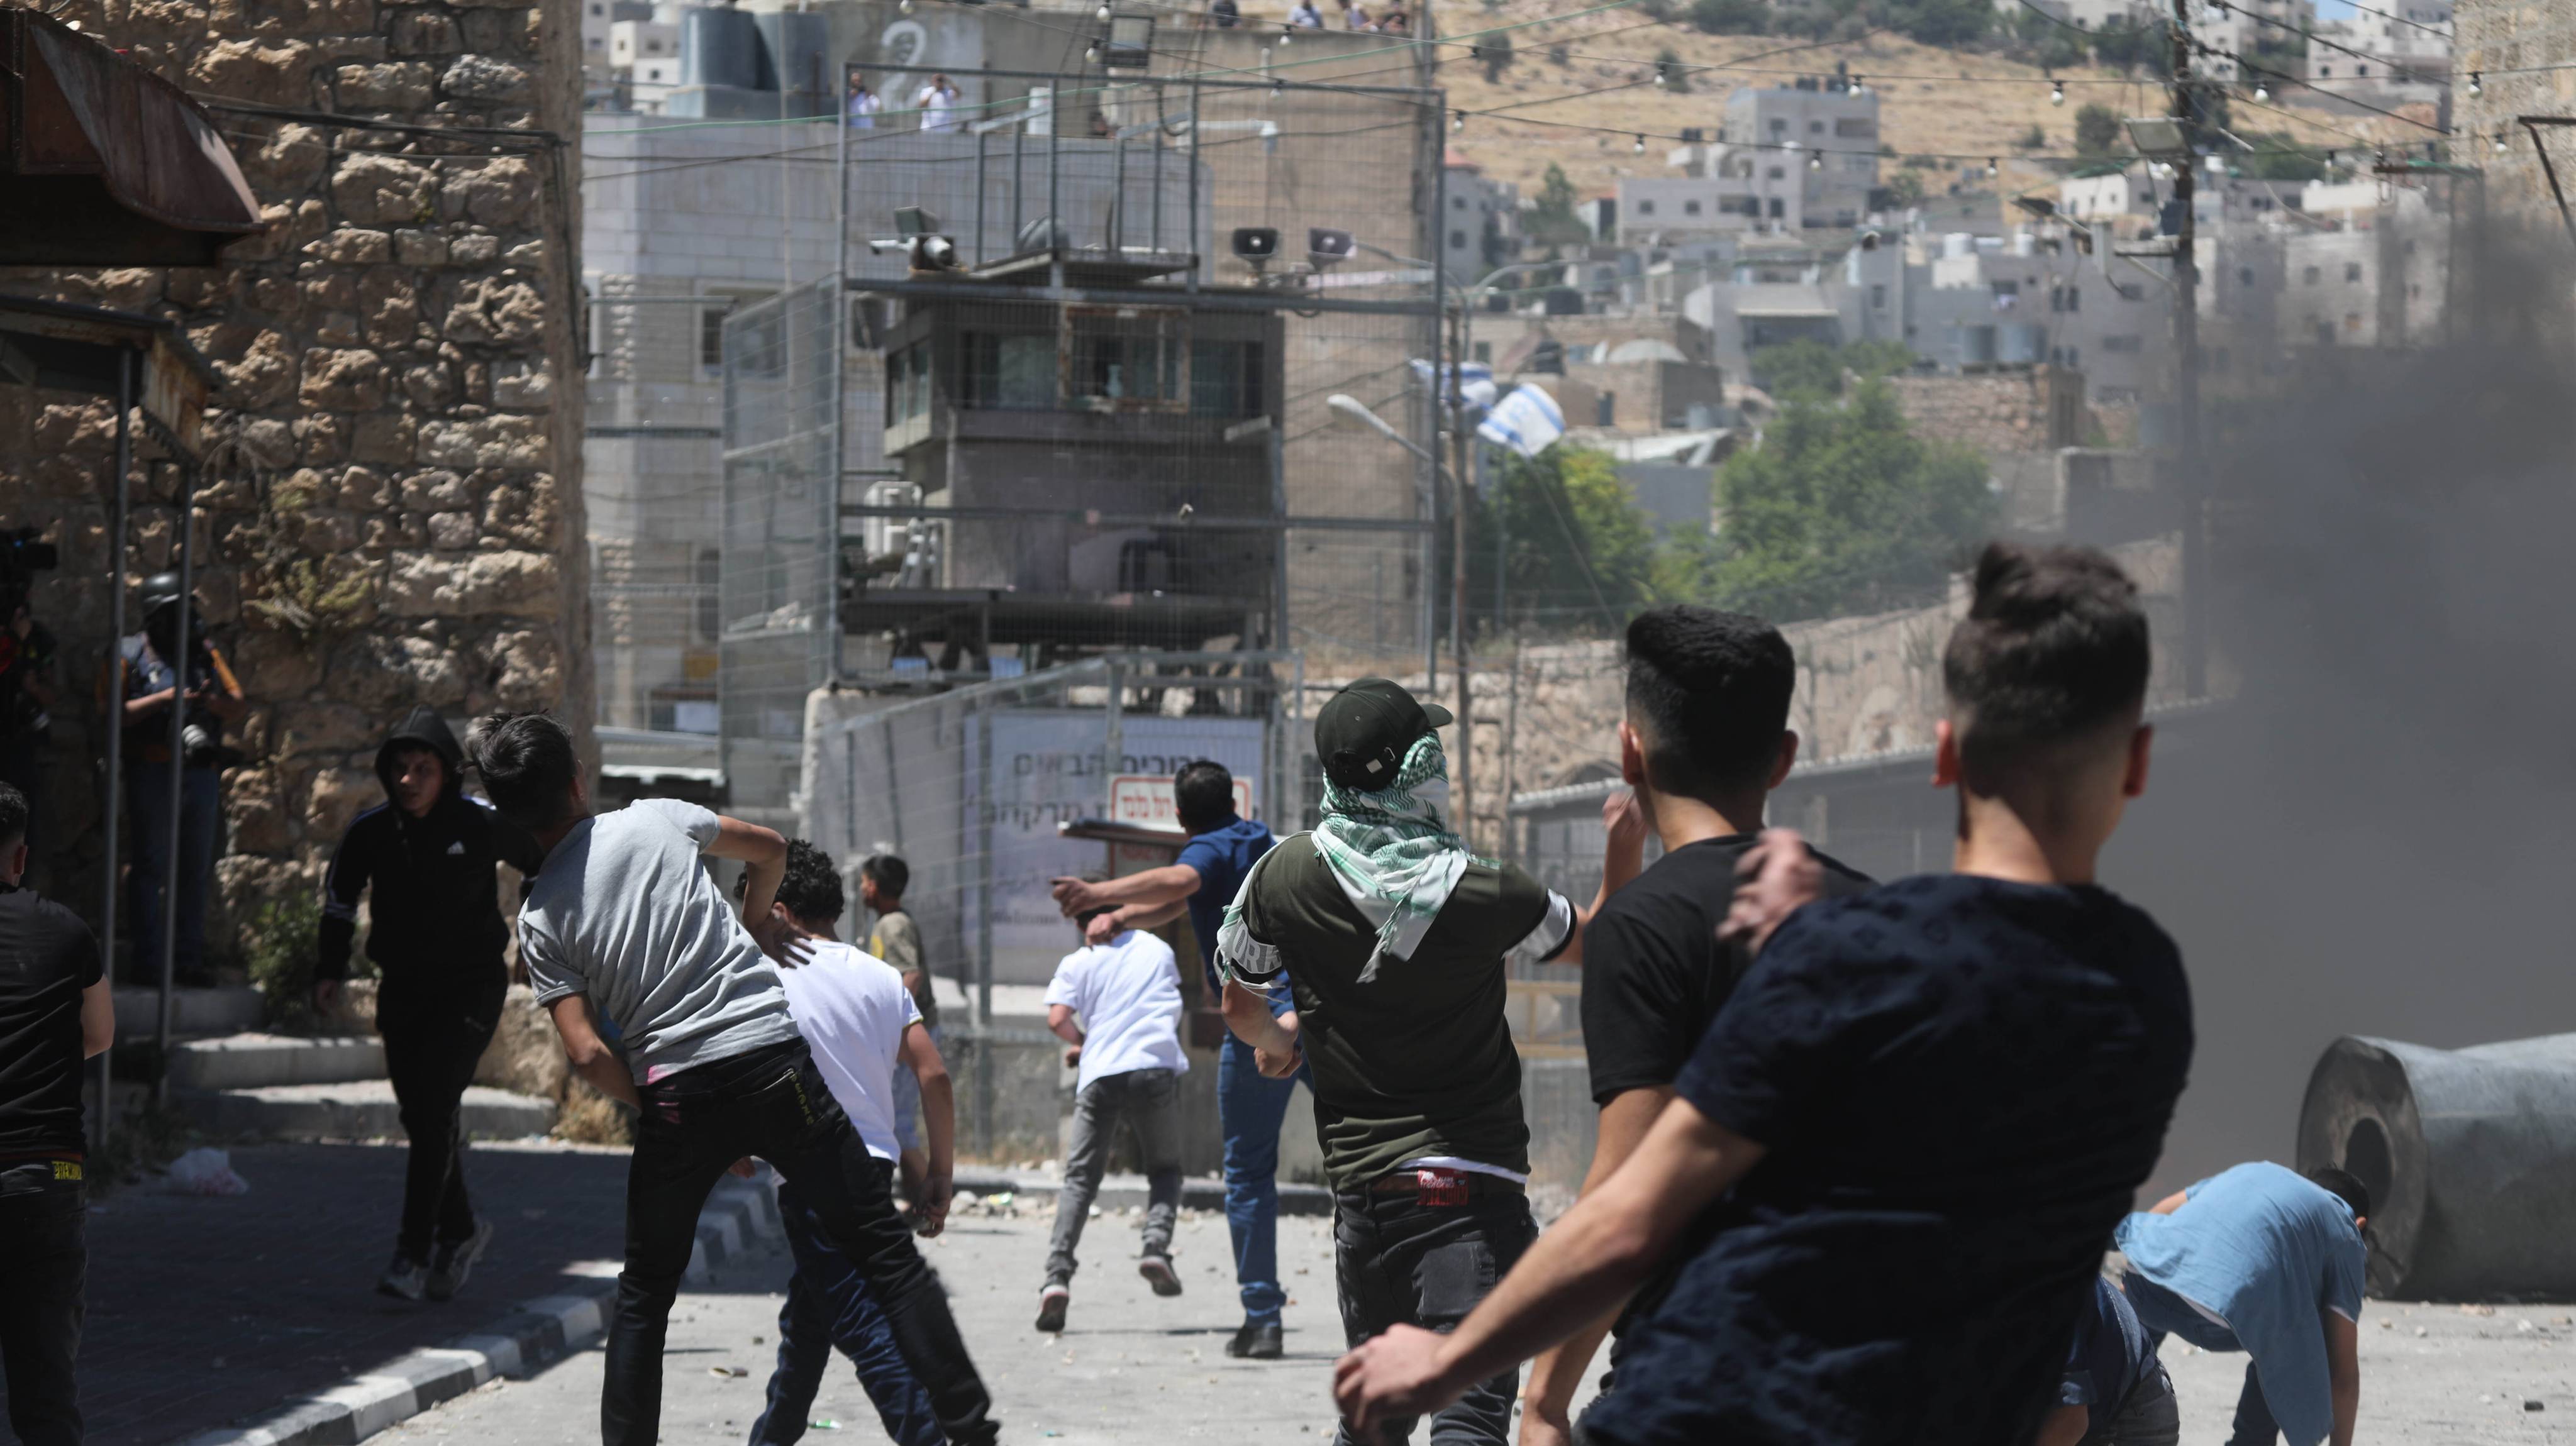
1552 221
1668 65
279 945
1904 189
1842 510
1576 543
2124 44
1949 23
2044 42
1730 17
1560 54
1494 53
2031 140
1814 370
2097 130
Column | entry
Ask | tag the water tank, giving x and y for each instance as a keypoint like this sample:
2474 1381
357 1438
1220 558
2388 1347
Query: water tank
797 43
720 47
2024 243
1957 243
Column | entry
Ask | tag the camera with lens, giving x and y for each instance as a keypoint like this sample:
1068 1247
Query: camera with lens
199 748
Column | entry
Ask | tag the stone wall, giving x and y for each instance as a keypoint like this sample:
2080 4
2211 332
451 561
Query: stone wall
2521 48
393 512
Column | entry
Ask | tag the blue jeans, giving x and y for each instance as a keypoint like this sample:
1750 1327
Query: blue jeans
1249 1108
828 1305
2164 1313
201 816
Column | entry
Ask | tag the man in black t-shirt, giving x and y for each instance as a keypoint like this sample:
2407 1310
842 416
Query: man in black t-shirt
1705 740
1931 1101
55 1011
1395 942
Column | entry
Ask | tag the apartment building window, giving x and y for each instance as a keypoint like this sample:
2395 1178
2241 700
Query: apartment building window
2352 322
1645 208
1457 240
1878 296
1777 210
1690 208
2310 276
1778 174
2245 276
2121 344
711 336
2352 273
1815 127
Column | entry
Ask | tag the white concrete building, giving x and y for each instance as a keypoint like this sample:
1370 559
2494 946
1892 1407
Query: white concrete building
1483 227
1789 158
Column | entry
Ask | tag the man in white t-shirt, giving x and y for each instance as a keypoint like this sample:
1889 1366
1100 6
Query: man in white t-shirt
937 104
1128 1050
864 1029
625 920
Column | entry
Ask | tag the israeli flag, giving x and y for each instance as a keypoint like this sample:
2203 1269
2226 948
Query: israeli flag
1475 381
1525 421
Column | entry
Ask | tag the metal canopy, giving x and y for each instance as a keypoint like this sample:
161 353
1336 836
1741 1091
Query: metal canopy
61 346
103 163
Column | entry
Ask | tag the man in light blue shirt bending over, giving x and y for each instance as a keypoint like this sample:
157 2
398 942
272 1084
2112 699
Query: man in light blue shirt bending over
2263 1260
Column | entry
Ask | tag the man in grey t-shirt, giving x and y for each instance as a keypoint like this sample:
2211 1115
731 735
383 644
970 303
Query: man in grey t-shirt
624 918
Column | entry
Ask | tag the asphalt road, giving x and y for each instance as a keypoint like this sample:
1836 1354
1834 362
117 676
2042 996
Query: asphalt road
1130 1368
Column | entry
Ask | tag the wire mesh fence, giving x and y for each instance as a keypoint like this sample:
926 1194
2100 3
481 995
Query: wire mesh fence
989 792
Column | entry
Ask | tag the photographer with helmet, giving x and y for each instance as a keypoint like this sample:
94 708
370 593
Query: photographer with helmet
157 674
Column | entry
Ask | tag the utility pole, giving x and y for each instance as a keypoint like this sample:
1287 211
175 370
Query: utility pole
1458 567
2191 480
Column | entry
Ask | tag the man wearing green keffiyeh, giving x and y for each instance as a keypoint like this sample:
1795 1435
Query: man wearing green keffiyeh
1397 943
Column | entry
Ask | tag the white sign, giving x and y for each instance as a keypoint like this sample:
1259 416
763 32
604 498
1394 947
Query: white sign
1145 799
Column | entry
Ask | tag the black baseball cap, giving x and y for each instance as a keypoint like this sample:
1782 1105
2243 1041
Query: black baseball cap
1363 732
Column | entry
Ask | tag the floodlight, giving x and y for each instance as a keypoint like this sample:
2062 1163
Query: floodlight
2158 137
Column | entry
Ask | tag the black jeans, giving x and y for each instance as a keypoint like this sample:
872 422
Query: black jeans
828 1305
1399 1262
773 1104
42 1265
433 1038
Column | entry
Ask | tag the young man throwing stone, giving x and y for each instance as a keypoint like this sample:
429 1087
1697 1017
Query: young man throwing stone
1397 944
626 920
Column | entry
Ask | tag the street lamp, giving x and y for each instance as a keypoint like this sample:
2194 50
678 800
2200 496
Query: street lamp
1354 412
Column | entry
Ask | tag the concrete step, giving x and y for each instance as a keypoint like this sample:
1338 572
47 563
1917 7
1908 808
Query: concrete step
354 1110
194 1013
253 1061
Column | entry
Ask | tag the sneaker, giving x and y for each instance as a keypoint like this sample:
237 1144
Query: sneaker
1257 1341
449 1264
1051 1304
404 1278
1158 1272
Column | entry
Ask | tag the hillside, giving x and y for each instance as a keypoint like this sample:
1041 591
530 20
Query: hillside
1933 101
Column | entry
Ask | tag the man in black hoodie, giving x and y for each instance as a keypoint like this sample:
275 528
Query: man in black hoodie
438 938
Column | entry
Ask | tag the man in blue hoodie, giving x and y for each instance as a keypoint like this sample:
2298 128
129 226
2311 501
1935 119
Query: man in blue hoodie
438 938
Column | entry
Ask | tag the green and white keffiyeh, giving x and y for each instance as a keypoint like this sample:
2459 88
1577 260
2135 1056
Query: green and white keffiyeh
1391 851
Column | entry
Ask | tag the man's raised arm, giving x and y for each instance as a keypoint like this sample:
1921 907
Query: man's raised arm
1170 884
764 850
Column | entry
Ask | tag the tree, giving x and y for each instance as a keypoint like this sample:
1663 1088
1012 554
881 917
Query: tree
1577 548
2277 157
1494 53
1812 369
1947 23
1669 70
2097 130
1904 189
1552 221
1730 17
2124 44
1842 510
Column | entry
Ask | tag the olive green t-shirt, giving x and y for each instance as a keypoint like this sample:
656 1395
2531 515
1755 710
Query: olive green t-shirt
1416 1061
897 940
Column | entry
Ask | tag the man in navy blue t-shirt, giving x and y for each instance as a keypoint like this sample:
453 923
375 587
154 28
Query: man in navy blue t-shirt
2115 1392
1924 1107
1250 1106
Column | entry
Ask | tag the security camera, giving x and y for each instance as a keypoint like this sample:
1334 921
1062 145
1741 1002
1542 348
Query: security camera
1327 247
1255 246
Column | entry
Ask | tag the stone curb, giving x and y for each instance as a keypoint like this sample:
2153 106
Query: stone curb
739 1215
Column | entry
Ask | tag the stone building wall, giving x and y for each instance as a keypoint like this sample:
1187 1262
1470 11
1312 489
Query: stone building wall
394 514
2521 50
